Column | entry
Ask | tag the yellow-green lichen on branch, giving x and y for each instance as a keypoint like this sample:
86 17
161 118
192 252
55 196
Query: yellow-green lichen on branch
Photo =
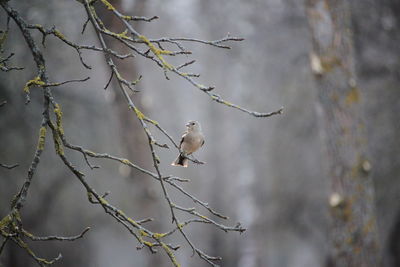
228 103
28 234
108 5
27 248
147 243
164 52
90 153
153 48
125 17
159 235
139 114
58 145
181 225
58 131
170 254
42 137
36 81
59 35
122 35
143 233
203 217
125 161
5 222
154 122
216 98
10 222
103 201
157 158
157 52
134 82
90 196
120 212
132 221
58 112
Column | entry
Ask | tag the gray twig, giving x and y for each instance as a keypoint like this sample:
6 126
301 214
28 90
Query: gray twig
54 237
9 166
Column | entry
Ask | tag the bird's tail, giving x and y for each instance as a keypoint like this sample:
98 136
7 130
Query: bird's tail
181 160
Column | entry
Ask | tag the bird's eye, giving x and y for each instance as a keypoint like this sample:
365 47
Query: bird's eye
192 123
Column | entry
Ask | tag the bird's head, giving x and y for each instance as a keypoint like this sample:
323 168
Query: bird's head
193 126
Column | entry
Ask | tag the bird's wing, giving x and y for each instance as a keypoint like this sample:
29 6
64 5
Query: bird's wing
182 139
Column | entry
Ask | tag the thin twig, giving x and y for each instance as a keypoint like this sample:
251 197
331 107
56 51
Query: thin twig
9 166
54 237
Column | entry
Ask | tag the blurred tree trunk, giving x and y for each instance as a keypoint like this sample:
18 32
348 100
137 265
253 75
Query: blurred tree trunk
377 39
353 230
133 140
132 137
394 242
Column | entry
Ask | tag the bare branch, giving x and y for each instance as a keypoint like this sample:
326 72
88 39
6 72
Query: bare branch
3 244
139 18
38 57
65 82
152 50
41 261
54 237
9 166
185 64
3 62
216 43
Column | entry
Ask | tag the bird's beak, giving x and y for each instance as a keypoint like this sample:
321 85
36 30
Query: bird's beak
187 124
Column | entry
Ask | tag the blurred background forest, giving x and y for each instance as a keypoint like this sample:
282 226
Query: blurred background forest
265 173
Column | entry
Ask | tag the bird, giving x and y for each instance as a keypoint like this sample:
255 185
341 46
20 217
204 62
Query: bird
191 141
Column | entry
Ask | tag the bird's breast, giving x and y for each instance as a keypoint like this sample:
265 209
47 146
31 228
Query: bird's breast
191 143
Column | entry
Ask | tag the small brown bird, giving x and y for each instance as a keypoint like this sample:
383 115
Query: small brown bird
191 141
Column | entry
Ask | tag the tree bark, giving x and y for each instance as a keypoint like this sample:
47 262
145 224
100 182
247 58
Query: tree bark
376 39
353 229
